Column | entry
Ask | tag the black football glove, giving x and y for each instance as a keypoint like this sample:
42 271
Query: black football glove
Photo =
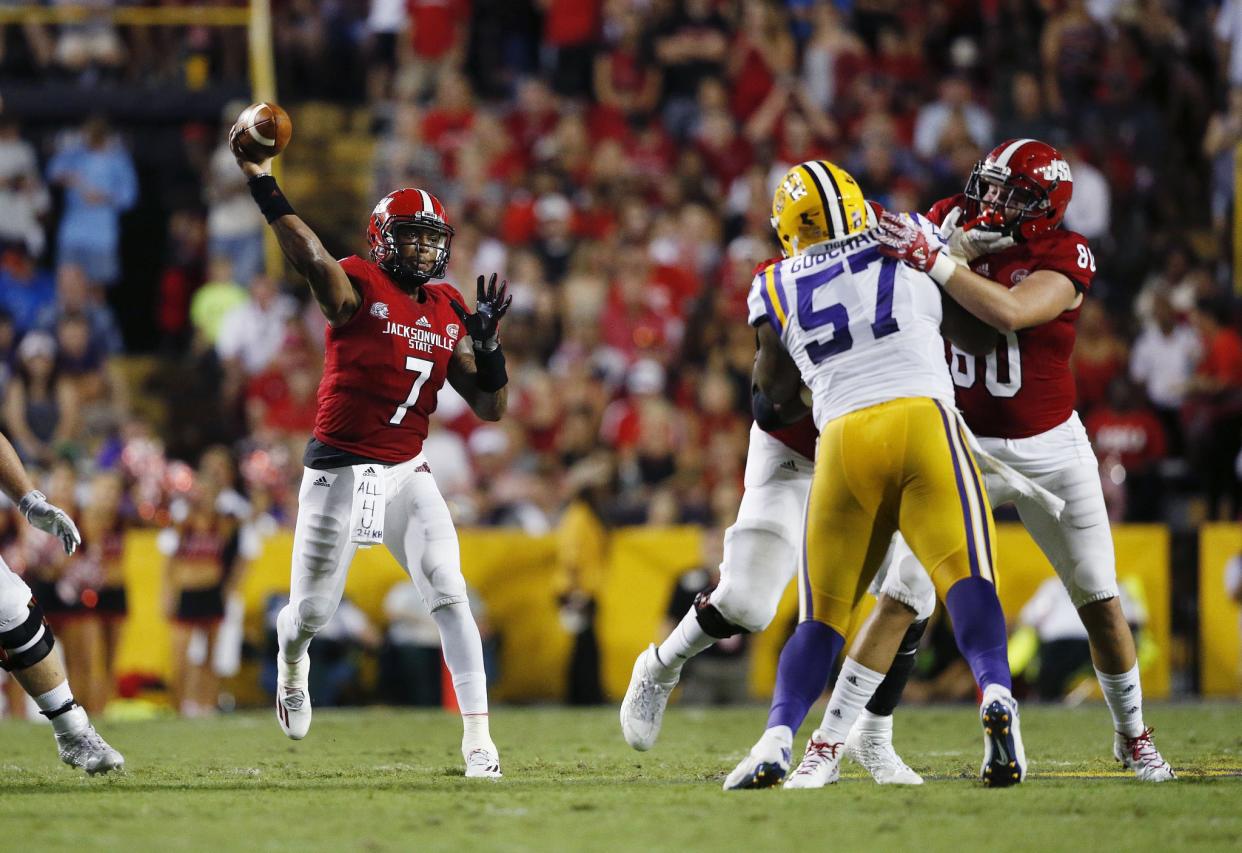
483 326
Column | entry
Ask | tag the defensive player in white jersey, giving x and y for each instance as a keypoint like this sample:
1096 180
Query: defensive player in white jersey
865 338
760 555
26 640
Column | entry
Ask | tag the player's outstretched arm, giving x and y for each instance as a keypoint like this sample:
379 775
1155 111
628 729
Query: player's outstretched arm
16 484
477 370
337 297
1036 300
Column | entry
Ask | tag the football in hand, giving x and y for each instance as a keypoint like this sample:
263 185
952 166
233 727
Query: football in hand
261 132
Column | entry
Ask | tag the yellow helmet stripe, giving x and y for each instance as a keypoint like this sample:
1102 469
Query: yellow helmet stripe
833 202
775 298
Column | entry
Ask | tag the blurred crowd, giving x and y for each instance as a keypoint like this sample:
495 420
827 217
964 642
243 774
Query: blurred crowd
614 159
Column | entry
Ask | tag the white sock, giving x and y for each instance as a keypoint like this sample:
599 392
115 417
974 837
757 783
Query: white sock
874 724
686 641
783 735
475 730
57 698
293 640
1124 695
853 691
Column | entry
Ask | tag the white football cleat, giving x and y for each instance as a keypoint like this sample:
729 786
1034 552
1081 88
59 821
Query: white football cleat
1004 756
642 709
767 763
482 762
820 765
873 750
1140 755
293 705
85 749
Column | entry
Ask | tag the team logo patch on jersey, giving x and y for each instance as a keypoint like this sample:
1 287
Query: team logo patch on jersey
1019 275
452 330
379 309
423 322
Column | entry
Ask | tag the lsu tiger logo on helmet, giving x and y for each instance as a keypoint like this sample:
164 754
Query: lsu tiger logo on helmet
815 202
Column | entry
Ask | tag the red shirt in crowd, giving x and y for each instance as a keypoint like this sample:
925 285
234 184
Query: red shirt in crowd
434 25
1136 438
1222 358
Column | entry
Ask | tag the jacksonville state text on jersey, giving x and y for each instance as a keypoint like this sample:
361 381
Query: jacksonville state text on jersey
384 367
1024 387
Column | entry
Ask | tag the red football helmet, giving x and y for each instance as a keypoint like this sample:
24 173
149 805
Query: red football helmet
410 217
1024 184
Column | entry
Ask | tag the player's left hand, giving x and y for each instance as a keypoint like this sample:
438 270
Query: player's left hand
491 304
970 241
50 519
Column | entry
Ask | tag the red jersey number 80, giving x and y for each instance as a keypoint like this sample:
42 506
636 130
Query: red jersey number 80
1002 374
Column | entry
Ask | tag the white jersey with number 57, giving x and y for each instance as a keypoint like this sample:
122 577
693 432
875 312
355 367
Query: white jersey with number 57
862 328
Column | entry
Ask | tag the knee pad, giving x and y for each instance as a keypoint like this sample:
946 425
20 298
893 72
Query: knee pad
314 612
27 644
758 565
442 582
712 621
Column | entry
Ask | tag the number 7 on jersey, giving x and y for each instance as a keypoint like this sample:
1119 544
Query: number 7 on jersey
422 368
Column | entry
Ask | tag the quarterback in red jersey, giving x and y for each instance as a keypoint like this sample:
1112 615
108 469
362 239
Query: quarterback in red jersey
1003 257
392 340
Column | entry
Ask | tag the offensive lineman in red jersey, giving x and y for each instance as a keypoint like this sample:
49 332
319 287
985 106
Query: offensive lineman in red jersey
392 340
1009 264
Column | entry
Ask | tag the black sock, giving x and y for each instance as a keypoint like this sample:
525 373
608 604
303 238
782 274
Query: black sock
887 696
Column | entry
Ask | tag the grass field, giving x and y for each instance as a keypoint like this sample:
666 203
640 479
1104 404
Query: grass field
392 780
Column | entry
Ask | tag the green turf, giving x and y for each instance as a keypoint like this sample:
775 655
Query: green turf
391 780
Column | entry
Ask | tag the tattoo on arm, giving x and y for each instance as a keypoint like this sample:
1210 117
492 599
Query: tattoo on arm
335 293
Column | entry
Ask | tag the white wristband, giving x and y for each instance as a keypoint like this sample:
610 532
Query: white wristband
943 268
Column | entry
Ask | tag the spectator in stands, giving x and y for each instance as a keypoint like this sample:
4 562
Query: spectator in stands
1100 355
252 334
437 41
1162 361
23 196
1220 144
1228 31
98 384
1127 433
1089 212
100 184
954 104
74 295
1025 116
40 406
410 662
1214 409
235 228
1070 49
627 83
25 290
570 31
386 23
691 45
213 301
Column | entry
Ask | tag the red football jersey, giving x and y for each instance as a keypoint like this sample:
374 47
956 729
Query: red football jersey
384 368
799 436
1024 387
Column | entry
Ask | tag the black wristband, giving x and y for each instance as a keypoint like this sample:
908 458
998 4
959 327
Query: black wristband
491 376
271 201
